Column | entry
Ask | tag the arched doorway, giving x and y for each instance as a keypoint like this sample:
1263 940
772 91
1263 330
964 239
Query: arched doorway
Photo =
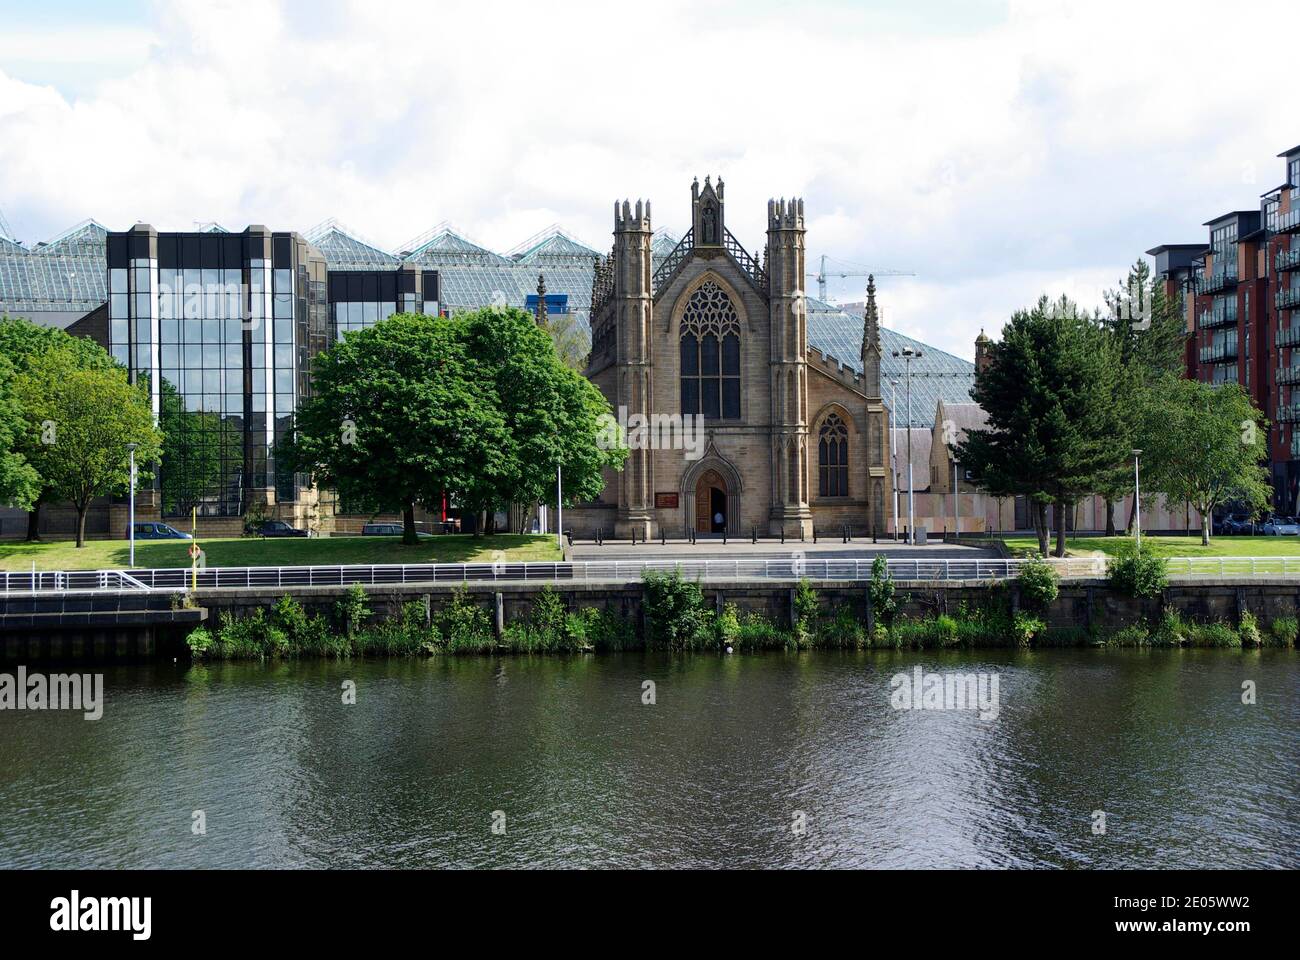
711 503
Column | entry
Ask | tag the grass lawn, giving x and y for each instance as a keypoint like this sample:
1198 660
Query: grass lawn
255 552
1241 546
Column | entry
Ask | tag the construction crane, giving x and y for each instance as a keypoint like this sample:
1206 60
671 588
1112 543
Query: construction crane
823 273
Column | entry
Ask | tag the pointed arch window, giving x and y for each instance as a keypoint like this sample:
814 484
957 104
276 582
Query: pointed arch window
833 457
710 355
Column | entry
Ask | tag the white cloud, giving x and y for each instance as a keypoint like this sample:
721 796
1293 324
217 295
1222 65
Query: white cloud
1009 156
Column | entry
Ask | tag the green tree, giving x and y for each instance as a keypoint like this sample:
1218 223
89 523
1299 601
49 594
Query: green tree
20 484
1150 336
1204 445
1050 393
81 422
552 414
399 414
572 342
22 344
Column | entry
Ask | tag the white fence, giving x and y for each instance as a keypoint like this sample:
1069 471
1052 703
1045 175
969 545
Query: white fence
611 571
63 581
607 571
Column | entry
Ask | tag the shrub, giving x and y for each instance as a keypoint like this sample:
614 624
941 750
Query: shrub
1218 634
727 627
675 607
883 638
354 609
1138 574
463 626
1282 631
1132 635
1171 631
1039 584
842 632
881 591
600 630
1248 630
759 633
199 641
1025 627
806 614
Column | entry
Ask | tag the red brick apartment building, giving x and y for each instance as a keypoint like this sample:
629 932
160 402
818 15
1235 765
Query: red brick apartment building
1241 297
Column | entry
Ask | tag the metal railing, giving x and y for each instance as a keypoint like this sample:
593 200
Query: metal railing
619 571
39 581
611 571
1234 566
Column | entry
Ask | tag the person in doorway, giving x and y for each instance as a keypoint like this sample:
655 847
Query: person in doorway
717 520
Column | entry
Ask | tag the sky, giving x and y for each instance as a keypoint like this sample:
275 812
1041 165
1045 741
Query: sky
997 150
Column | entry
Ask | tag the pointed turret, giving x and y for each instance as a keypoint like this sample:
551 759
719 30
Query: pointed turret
870 323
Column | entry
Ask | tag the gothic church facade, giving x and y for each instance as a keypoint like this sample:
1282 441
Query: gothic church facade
790 441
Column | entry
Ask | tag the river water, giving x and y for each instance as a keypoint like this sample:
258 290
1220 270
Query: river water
779 760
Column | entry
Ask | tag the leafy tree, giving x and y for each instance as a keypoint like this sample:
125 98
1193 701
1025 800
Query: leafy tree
20 484
1050 393
80 423
552 414
399 414
572 342
22 344
1204 444
1150 336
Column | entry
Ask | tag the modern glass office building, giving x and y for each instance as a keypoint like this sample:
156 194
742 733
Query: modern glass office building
222 326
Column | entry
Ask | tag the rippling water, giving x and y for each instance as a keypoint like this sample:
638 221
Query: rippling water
712 774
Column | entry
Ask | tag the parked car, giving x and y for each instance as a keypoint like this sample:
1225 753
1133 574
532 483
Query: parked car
158 531
277 528
1280 527
385 529
1238 523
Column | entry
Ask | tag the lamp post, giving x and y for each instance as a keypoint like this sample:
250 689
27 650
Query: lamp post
909 354
130 449
559 509
956 500
1137 497
893 449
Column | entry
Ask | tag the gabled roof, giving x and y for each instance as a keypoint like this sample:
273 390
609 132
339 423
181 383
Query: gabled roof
443 246
963 417
552 245
342 251
922 440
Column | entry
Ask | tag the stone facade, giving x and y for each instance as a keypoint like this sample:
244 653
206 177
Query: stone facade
789 438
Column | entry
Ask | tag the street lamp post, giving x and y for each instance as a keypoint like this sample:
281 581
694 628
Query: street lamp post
559 509
130 449
956 500
893 449
1137 497
909 354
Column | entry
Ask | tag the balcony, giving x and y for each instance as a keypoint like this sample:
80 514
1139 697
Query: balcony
1289 374
1225 352
1288 337
1287 260
1288 299
1220 315
1285 222
1218 280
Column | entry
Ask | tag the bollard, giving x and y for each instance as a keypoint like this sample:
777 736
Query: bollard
753 534
663 536
783 534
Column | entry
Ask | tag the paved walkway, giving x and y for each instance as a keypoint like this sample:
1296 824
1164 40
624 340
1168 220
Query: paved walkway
827 549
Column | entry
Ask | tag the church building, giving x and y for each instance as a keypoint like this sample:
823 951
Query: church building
792 439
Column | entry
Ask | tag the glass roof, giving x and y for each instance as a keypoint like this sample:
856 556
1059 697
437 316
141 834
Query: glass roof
68 274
